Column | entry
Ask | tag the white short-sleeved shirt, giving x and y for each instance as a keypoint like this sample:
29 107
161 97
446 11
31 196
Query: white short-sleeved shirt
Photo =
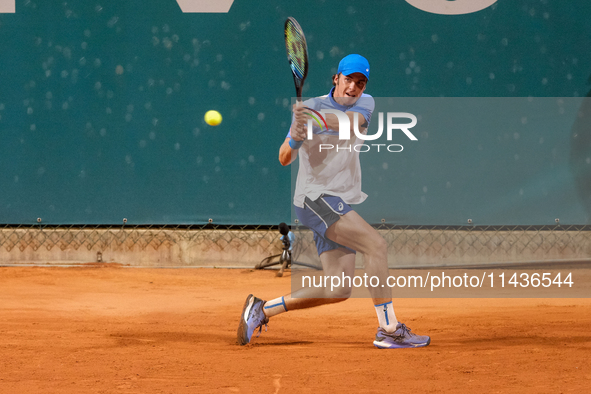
333 171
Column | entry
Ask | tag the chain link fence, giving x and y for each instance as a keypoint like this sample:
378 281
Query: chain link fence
245 246
129 238
142 245
423 246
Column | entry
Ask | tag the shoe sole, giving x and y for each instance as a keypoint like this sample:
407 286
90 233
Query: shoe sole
378 345
242 337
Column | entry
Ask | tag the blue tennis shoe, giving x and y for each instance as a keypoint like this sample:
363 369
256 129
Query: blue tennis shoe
401 338
252 318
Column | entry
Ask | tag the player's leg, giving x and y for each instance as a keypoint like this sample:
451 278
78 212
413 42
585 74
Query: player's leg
336 262
335 223
337 226
354 232
256 312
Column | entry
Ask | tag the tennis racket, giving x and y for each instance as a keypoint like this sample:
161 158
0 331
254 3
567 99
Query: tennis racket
297 53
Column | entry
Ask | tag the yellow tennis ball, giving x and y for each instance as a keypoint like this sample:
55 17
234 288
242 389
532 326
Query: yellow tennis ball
213 118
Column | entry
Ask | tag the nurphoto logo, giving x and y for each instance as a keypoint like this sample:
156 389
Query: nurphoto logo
345 130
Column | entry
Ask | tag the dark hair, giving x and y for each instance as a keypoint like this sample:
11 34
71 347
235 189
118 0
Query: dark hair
283 229
335 75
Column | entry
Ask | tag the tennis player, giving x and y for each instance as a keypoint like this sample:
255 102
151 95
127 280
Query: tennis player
328 181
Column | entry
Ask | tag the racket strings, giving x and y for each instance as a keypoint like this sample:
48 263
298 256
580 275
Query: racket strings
296 49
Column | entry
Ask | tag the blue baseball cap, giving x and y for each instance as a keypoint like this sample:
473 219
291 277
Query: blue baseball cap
354 64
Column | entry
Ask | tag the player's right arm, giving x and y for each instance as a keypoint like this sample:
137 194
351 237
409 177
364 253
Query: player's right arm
297 132
286 154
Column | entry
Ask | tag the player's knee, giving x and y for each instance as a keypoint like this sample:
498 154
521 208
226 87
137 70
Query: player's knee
381 244
378 247
341 293
336 300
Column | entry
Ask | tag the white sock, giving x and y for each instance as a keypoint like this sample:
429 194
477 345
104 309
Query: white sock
274 307
386 316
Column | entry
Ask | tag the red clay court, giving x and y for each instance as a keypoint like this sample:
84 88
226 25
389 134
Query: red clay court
108 329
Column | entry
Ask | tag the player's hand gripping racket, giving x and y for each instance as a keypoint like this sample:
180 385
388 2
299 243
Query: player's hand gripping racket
297 53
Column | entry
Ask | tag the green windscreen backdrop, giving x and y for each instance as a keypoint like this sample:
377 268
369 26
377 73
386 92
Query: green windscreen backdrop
102 105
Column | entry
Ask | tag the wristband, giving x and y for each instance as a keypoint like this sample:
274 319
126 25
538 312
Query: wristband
295 144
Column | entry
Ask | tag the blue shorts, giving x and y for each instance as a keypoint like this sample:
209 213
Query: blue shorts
319 215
